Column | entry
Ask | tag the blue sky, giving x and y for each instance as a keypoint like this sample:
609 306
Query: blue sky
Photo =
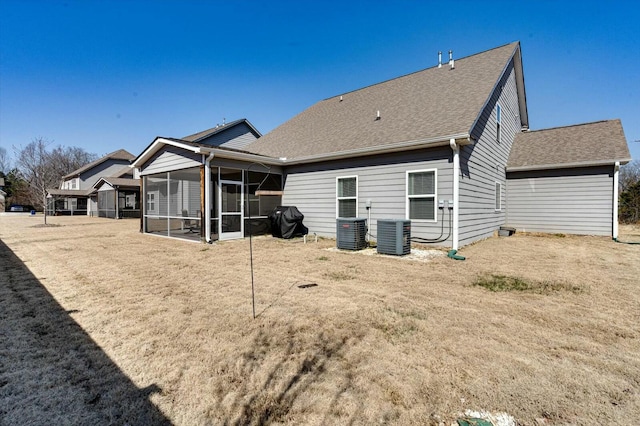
105 75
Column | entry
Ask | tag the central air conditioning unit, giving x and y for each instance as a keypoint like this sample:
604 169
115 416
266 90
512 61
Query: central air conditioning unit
394 236
351 233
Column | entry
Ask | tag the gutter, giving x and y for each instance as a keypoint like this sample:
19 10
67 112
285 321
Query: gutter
568 165
461 138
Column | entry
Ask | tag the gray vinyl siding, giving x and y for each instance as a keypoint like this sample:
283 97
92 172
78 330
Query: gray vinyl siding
237 137
483 163
381 179
106 168
171 158
571 201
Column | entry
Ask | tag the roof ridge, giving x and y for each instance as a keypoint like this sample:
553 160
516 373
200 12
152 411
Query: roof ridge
418 71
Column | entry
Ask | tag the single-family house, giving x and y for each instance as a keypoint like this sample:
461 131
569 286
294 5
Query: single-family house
76 194
118 196
434 147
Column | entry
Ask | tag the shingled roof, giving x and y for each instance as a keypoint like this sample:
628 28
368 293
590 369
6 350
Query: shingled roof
597 143
432 103
120 154
196 137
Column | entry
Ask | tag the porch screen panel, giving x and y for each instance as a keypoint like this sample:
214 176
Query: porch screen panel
184 196
156 195
264 204
106 204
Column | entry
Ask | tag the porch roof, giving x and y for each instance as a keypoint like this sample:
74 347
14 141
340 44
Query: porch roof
71 192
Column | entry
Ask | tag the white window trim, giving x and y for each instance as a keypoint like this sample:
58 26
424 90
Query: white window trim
498 123
155 211
338 199
435 195
497 196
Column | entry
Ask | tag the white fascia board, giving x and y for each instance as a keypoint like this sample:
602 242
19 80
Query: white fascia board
566 165
155 146
241 156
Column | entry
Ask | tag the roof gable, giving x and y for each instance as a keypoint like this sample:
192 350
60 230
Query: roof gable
597 143
433 103
205 135
120 154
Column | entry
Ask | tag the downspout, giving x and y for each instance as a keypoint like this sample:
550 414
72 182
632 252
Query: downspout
616 171
456 199
207 198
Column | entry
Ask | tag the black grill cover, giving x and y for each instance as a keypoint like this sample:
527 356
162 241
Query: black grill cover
286 222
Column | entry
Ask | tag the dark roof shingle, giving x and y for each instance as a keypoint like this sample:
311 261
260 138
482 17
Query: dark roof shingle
435 102
590 143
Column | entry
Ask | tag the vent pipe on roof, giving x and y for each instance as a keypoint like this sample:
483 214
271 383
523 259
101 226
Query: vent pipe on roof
378 115
439 59
451 62
340 98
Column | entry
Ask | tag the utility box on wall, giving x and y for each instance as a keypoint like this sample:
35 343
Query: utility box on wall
394 236
351 233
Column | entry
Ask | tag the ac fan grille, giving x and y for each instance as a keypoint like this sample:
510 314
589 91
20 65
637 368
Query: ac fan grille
394 236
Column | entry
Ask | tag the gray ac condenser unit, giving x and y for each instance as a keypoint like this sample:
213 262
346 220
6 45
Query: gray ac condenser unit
351 233
394 236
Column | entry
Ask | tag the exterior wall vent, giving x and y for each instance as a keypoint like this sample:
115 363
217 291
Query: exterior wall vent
394 236
351 233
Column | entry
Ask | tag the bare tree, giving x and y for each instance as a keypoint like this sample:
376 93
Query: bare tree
629 175
4 161
64 160
33 161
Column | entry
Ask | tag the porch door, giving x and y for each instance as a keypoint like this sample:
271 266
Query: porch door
231 210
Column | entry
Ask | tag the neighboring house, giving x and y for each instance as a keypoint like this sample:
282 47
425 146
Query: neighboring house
564 180
177 173
118 196
3 196
432 146
76 194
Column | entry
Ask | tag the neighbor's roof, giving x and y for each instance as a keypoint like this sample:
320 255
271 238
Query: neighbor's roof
120 154
118 182
71 192
434 103
589 144
196 137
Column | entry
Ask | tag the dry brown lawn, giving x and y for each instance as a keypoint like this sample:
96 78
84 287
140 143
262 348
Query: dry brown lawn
101 324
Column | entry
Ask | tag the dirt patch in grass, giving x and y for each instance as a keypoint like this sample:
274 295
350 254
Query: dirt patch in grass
101 324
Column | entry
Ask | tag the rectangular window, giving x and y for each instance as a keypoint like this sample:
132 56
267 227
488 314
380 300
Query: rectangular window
498 122
347 196
421 195
152 199
498 196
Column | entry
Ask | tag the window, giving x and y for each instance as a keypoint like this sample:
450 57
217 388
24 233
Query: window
498 122
152 199
421 195
347 196
498 196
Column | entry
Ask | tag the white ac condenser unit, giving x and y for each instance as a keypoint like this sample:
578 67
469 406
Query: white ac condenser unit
351 233
394 236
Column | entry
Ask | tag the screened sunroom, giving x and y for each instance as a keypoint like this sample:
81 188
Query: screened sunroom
175 201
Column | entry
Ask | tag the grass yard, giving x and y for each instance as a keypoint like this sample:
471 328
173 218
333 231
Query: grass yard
101 324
